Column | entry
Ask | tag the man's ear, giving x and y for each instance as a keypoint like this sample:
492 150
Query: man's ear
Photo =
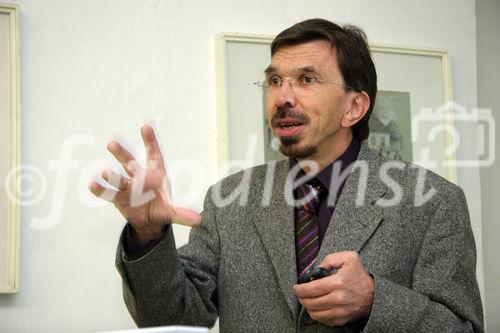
358 107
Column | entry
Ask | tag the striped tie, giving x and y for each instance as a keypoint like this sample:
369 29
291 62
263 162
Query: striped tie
307 227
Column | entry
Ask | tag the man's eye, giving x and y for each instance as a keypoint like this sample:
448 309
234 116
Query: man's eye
306 79
274 81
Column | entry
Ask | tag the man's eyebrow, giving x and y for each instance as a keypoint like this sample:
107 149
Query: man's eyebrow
308 69
269 69
302 69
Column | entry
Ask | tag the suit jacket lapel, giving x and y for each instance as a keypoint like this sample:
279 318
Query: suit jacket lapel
356 216
277 230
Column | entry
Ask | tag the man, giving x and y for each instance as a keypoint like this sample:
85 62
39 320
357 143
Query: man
396 239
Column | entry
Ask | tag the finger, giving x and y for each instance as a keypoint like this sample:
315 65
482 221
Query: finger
123 156
336 316
102 192
114 179
336 297
187 217
153 152
314 288
338 259
317 303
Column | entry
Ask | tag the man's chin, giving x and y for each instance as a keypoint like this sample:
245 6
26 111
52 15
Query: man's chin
290 149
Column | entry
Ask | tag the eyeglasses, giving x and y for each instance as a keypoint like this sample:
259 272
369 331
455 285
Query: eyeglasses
304 83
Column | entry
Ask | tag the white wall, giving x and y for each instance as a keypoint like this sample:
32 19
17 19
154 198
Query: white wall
488 55
100 68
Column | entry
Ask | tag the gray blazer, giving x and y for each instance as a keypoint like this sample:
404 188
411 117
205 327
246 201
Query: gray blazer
240 264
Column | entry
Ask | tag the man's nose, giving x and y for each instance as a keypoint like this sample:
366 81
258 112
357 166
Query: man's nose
285 96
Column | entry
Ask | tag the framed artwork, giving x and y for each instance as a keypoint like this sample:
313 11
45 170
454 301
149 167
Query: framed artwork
413 84
240 61
409 80
10 149
390 125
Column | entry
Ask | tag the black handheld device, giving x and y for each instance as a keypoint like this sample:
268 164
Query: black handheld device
313 274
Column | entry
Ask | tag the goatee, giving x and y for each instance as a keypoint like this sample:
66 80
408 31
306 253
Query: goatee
288 147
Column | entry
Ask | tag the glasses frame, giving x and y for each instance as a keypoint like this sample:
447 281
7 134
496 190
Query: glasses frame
294 82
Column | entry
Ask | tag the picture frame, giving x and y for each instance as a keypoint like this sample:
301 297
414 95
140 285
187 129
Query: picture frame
238 124
10 161
425 74
417 78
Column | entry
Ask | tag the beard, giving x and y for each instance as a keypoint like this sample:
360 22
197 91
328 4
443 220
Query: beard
290 148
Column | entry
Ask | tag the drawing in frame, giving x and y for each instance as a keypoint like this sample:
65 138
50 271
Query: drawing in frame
11 148
409 80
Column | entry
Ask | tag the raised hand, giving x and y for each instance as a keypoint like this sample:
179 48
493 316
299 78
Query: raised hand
144 197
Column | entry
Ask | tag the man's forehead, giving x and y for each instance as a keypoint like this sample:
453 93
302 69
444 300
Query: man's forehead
309 56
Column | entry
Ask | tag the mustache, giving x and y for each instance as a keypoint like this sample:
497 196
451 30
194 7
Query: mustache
282 113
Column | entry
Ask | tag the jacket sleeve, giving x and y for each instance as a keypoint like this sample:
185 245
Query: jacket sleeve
167 286
444 296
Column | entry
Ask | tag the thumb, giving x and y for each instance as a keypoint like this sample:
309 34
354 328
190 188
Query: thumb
187 217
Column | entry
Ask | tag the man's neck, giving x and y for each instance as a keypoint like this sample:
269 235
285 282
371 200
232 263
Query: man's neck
329 155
